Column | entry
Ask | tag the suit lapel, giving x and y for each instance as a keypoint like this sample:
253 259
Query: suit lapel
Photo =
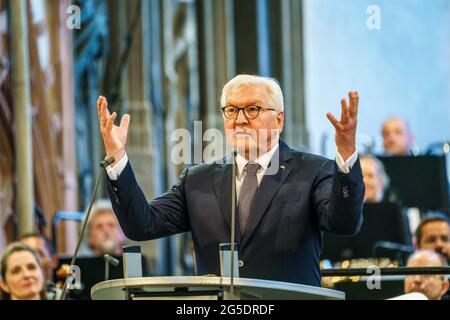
269 186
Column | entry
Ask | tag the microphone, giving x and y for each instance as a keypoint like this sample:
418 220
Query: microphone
103 164
233 221
109 260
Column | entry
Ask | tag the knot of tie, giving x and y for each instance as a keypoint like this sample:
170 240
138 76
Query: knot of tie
252 168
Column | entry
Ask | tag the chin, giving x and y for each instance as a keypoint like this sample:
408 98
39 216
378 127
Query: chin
244 145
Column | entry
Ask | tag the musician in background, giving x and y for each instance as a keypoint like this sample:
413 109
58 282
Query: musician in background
44 248
432 286
104 234
49 260
433 233
397 137
21 274
376 180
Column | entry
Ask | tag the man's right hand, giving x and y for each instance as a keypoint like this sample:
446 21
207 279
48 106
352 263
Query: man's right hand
114 137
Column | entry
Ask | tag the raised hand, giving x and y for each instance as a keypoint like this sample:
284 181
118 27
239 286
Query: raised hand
114 137
346 128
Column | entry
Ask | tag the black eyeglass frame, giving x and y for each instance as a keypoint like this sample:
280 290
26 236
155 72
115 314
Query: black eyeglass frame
245 112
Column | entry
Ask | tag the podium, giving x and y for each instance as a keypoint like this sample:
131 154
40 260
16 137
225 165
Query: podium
208 288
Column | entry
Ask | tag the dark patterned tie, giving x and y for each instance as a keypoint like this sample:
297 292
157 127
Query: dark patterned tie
247 193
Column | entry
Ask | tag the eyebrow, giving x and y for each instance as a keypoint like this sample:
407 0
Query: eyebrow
251 103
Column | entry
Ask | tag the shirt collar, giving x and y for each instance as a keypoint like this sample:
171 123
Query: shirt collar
263 160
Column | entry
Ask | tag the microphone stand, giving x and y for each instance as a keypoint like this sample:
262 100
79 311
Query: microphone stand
233 221
103 164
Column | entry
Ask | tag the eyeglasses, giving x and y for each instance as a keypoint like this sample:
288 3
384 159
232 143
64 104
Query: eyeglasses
250 112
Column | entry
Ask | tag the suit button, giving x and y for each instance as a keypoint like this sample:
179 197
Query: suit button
240 263
345 192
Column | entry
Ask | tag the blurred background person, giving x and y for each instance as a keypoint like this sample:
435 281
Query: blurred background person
433 233
104 234
433 286
49 260
22 277
376 180
44 248
397 137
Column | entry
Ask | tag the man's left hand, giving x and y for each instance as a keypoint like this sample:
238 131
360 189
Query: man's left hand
346 128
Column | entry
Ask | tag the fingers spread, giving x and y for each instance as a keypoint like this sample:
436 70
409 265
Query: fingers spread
125 122
99 105
354 103
104 112
344 112
333 121
110 122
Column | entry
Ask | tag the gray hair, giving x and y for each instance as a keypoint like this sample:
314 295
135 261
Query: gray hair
276 94
380 169
101 205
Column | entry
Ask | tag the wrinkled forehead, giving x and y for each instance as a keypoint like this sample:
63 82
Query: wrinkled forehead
246 94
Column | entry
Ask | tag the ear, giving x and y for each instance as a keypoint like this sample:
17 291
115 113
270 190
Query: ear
280 120
415 244
4 286
445 285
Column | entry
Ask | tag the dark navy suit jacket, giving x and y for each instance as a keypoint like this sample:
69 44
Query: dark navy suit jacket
283 239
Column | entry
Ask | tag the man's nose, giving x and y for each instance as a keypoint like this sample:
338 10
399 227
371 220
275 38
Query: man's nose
241 118
439 246
417 279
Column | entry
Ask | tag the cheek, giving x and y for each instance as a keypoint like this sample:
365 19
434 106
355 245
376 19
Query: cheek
13 284
427 245
228 124
407 283
39 279
430 288
266 129
14 279
378 183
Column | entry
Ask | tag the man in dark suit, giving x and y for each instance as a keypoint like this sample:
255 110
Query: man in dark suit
285 198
